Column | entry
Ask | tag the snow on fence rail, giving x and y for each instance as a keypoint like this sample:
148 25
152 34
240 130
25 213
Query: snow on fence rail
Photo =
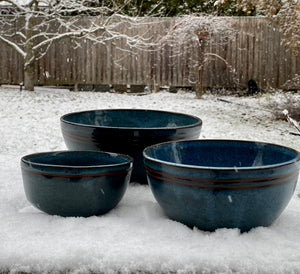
254 53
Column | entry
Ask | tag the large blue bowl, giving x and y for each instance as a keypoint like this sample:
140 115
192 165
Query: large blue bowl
127 131
215 184
75 183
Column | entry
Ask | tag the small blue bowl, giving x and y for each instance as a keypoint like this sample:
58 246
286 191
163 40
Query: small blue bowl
215 184
75 183
127 131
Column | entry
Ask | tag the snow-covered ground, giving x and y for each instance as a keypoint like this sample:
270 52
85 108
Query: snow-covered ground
135 236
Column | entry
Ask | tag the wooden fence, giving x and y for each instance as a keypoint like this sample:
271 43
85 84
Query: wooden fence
254 53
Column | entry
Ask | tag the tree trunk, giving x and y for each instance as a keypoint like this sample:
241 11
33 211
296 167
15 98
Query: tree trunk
202 35
29 66
29 75
200 85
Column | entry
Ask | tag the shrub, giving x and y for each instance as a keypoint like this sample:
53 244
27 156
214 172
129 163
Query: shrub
288 101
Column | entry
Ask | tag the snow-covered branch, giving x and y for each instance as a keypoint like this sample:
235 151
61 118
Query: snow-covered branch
13 45
72 34
21 34
15 4
32 27
200 28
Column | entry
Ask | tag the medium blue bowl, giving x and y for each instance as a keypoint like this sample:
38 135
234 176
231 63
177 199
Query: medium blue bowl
127 131
75 183
215 184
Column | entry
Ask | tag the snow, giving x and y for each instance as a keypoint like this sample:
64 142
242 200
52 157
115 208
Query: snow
135 236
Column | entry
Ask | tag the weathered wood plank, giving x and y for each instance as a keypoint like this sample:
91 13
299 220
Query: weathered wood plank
255 53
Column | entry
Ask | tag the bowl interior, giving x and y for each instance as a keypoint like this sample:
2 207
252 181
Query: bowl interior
131 118
222 154
76 159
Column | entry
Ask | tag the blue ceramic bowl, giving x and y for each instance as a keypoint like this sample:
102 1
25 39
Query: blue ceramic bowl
75 183
127 131
215 184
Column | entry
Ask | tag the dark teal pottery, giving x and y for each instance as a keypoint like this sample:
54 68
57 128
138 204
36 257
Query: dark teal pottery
215 184
127 131
75 183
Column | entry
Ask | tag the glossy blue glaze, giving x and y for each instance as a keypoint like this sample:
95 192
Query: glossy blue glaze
213 184
75 183
127 131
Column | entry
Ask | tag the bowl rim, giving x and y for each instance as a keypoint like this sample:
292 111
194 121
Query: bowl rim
246 168
127 159
198 120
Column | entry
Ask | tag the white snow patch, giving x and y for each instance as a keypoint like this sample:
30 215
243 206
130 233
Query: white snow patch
136 236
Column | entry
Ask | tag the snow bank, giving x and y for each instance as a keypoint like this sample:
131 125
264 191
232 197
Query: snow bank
135 236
